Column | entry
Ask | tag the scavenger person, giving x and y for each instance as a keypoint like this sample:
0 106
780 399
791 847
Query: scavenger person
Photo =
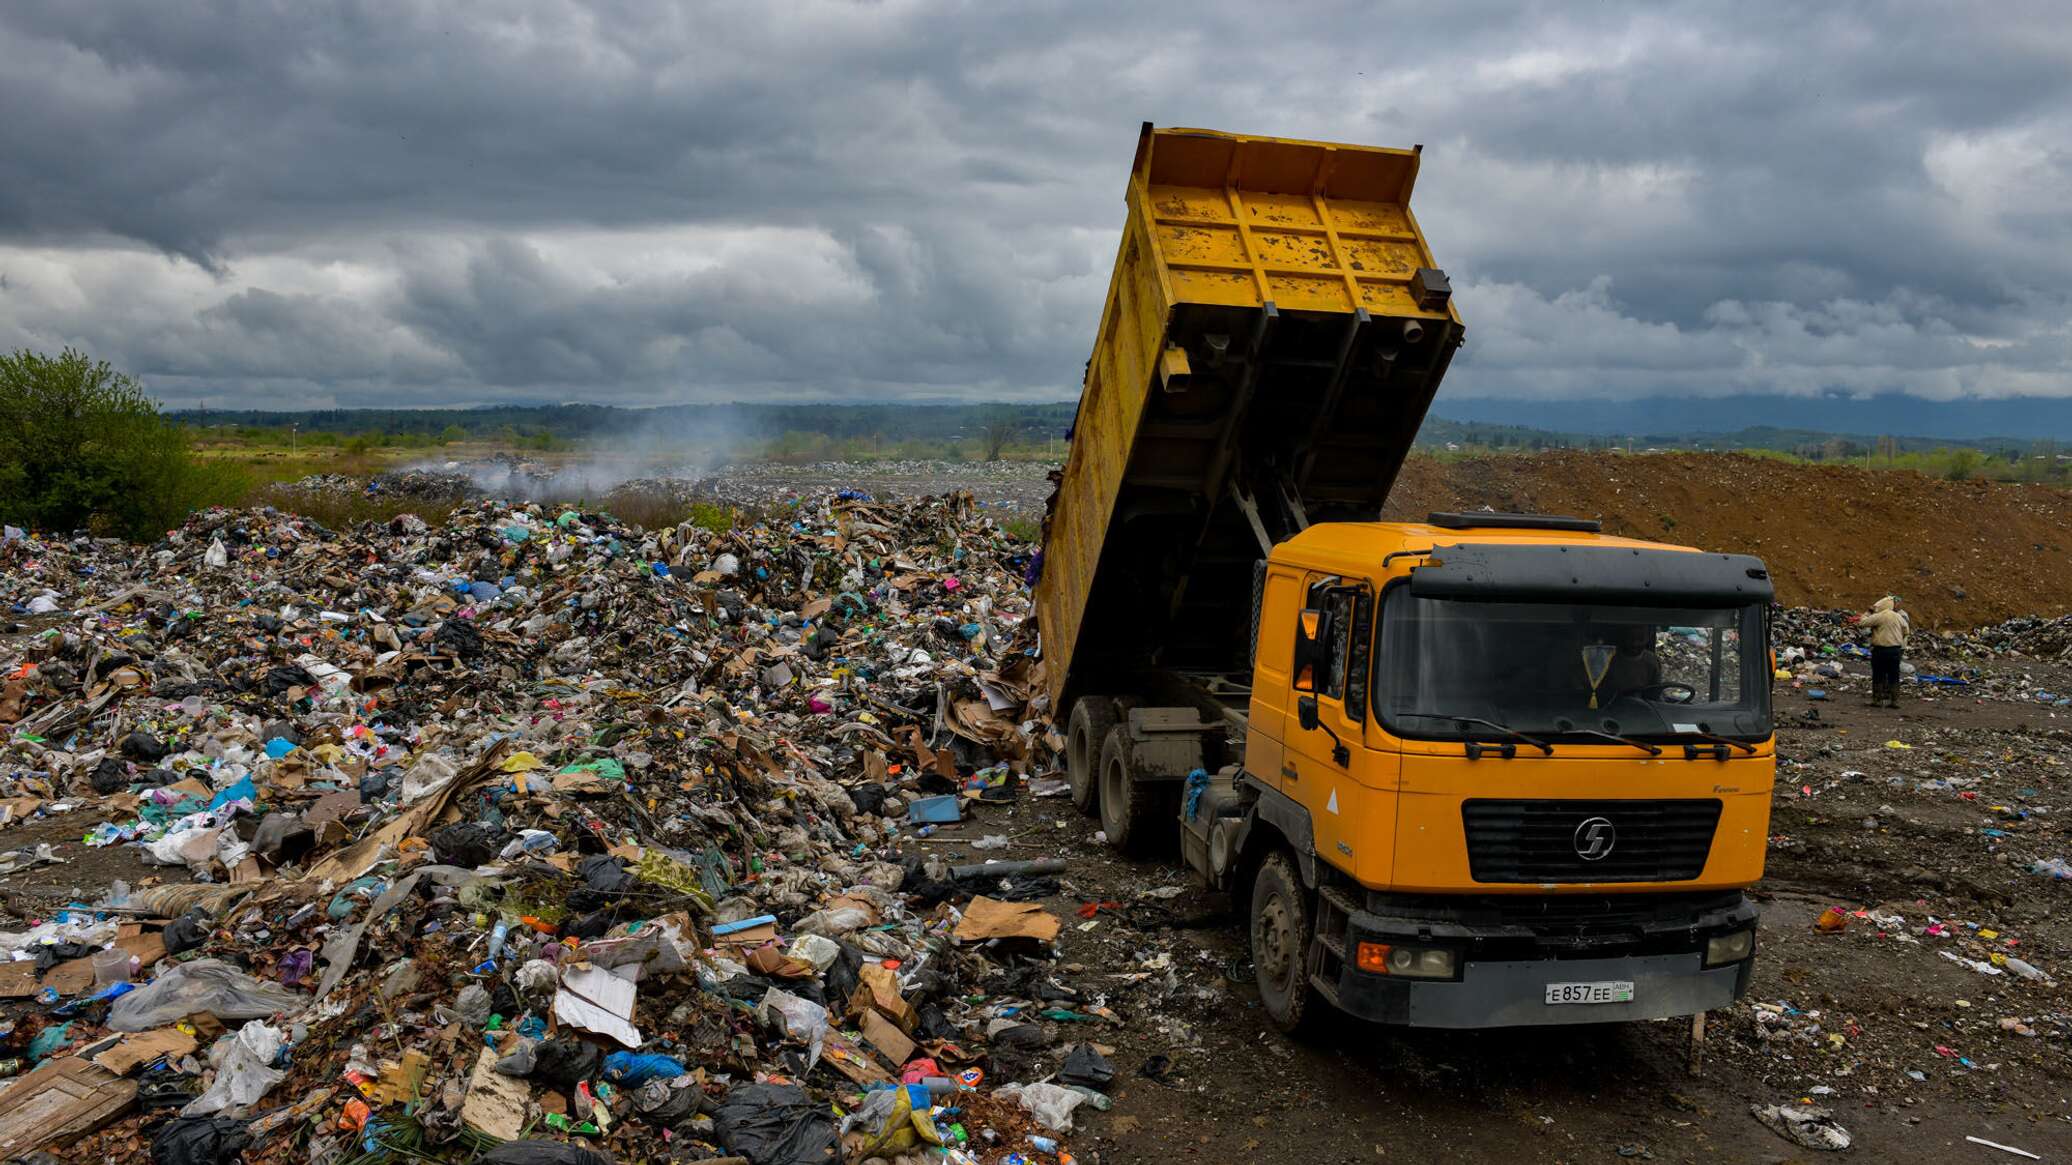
1889 628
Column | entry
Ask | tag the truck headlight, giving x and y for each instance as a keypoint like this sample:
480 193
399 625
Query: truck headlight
1729 948
1404 961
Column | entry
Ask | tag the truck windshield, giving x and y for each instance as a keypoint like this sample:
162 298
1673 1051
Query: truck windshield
1555 668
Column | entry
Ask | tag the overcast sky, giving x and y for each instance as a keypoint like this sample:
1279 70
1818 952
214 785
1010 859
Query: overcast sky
302 204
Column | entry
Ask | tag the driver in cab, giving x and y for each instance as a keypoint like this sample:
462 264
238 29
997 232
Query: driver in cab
1634 666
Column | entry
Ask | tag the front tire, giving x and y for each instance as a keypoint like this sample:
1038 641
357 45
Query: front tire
1093 717
1282 925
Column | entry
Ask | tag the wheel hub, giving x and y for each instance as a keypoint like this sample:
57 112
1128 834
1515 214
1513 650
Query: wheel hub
1275 938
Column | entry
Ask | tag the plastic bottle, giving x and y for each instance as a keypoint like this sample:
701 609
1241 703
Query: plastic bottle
2025 970
497 934
1043 1144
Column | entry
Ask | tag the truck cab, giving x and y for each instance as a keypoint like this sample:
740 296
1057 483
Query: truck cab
1499 770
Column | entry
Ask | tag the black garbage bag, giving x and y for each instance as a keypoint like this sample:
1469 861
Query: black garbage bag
186 932
142 746
1087 1068
869 799
566 1063
467 844
200 1140
375 785
49 955
605 881
542 1153
167 1089
278 680
776 1124
110 776
844 973
282 838
458 637
665 1106
595 924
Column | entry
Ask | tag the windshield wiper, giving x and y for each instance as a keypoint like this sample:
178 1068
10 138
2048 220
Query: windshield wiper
1506 729
1743 745
1614 737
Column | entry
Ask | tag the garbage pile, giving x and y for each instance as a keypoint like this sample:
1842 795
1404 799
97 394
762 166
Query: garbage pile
1019 488
533 837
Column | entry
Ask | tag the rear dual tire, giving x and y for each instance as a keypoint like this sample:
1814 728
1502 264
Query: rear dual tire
1086 732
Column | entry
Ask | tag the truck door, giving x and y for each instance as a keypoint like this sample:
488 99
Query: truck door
1329 667
1273 702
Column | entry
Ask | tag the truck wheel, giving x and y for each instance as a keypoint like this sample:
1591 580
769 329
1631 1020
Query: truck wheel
1092 718
1129 807
1281 928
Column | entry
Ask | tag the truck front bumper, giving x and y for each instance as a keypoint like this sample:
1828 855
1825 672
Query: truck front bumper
1514 994
1505 968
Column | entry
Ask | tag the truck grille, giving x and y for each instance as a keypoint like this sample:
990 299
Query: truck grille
1543 841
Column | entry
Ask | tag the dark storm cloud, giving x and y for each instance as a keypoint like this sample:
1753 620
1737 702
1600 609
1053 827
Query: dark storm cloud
404 203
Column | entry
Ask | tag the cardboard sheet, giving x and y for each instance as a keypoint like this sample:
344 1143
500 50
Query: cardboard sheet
596 1000
142 1048
990 918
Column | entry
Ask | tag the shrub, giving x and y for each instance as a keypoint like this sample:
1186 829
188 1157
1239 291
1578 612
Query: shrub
81 445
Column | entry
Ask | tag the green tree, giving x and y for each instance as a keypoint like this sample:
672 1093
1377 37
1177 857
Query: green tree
81 445
998 429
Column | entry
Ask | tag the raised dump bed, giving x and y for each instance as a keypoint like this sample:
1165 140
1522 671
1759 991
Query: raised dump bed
1275 328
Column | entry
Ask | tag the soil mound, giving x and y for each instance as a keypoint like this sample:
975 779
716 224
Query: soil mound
1960 553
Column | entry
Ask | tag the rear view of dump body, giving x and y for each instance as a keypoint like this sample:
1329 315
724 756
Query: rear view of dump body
1274 330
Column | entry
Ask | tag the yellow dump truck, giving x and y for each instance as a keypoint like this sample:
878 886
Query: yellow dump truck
1481 770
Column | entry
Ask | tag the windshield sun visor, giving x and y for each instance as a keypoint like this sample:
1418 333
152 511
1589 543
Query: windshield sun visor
1601 574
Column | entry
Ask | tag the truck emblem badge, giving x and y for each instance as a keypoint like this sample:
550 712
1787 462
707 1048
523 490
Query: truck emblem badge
1595 838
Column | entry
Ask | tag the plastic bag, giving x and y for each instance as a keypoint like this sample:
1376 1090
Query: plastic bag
776 1124
193 848
429 774
244 1070
472 1005
542 1153
633 1069
200 1140
467 844
538 979
205 985
834 923
605 881
894 1122
186 932
804 1020
1051 1105
817 950
1087 1068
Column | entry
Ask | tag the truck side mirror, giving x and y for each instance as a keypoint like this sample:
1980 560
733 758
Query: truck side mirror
1312 647
1306 713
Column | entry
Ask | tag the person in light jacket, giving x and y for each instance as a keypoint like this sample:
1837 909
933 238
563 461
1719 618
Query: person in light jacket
1889 628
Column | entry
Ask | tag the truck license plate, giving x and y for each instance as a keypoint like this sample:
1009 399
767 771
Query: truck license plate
1608 991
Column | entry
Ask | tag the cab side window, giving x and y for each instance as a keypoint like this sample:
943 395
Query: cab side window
1338 604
